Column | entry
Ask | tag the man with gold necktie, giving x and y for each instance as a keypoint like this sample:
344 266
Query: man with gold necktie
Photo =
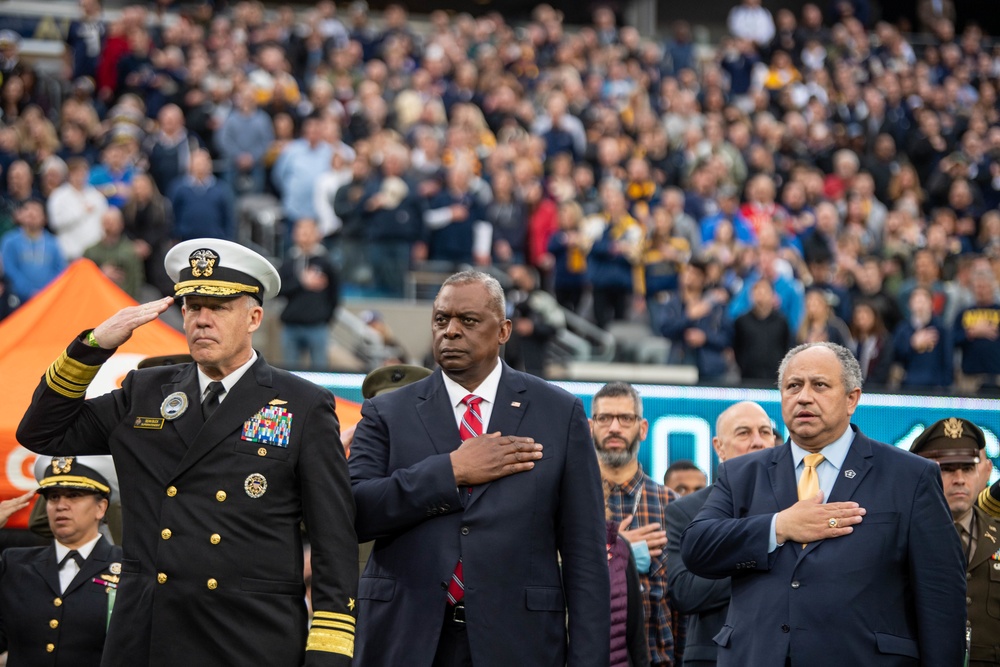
841 549
958 447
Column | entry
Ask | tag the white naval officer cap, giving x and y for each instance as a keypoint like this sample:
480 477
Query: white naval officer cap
218 268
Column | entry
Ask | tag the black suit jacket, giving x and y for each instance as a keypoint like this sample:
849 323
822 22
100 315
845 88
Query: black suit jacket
511 533
213 575
705 601
35 614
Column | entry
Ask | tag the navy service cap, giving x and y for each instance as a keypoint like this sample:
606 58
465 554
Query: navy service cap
222 269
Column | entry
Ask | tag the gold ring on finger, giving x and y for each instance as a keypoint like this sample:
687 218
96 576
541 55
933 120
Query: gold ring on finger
834 523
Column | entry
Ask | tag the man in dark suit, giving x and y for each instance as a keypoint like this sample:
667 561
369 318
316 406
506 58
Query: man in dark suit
55 600
959 447
469 529
874 577
220 462
740 429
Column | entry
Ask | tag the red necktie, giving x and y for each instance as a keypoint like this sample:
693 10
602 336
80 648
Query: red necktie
471 426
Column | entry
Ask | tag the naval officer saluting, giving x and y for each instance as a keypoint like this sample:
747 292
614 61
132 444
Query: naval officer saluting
220 461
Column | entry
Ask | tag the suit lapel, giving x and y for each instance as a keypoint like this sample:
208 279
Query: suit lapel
509 409
782 475
857 463
48 569
988 540
94 565
189 423
438 416
251 393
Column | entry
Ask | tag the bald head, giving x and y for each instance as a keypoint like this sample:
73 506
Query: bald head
741 429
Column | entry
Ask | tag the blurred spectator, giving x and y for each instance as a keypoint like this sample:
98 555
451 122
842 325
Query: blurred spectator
242 141
455 222
149 224
31 256
922 345
871 344
536 319
116 255
346 206
568 248
85 39
325 193
75 211
697 326
169 151
298 166
927 274
820 323
509 220
113 175
202 205
615 257
310 283
684 477
664 254
395 353
761 336
870 286
930 12
977 331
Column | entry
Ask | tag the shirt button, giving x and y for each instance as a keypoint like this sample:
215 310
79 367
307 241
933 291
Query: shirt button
166 533
57 602
171 491
49 648
220 496
785 628
54 624
161 578
215 538
212 584
465 530
795 584
968 576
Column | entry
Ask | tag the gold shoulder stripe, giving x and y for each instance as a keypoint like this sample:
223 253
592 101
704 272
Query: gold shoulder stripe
989 503
328 641
333 616
333 625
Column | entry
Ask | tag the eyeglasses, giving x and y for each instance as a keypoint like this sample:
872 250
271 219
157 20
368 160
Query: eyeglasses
626 419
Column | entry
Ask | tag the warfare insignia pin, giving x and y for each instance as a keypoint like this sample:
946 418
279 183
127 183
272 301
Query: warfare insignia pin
203 262
115 568
255 485
277 401
62 464
174 405
849 474
953 428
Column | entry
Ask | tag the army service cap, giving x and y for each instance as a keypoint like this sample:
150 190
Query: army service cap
222 269
951 440
389 378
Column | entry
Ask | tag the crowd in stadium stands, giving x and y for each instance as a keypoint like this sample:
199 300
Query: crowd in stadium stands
810 177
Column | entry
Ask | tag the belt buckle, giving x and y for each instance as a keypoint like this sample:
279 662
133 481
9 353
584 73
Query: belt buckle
458 613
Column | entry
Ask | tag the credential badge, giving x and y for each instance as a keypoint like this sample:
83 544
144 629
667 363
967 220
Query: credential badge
174 405
255 485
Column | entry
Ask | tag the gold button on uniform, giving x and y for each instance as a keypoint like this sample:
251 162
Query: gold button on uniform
53 624
262 451
212 584
220 496
215 538
57 602
162 578
171 491
166 533
50 647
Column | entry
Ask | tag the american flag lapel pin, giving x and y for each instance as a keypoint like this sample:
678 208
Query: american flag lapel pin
515 404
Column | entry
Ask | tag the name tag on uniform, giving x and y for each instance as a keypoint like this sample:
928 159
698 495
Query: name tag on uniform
271 426
155 423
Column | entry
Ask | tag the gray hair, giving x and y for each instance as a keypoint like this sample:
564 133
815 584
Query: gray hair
497 302
850 370
618 389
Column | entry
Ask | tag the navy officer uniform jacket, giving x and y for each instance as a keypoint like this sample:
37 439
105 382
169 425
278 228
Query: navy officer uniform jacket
43 626
889 594
212 511
510 533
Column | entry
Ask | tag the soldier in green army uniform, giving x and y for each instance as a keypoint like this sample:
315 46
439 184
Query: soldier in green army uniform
958 446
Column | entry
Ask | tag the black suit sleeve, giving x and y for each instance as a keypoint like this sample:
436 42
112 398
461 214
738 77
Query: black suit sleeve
689 593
